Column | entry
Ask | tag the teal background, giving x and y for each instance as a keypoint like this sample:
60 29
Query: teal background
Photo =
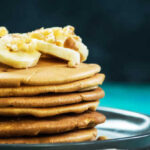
133 97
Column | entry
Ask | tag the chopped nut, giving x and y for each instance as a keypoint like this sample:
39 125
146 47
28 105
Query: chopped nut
100 138
3 31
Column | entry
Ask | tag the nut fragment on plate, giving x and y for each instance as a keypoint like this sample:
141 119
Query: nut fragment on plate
23 50
101 138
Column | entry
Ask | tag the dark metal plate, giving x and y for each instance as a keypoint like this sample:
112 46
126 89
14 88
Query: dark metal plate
125 130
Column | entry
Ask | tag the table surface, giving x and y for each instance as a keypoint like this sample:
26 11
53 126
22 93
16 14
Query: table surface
133 97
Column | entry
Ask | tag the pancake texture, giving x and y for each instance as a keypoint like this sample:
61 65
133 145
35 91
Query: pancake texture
50 100
51 111
48 71
63 88
89 88
30 126
69 137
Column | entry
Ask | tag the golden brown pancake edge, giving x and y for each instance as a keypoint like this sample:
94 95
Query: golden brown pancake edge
69 137
30 126
51 100
51 111
63 88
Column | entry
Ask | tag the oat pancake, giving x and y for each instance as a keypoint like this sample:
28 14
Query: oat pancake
61 88
88 88
74 136
30 126
51 111
48 71
50 100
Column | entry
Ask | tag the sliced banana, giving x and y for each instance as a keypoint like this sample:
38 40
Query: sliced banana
78 46
23 50
63 43
82 50
18 59
67 54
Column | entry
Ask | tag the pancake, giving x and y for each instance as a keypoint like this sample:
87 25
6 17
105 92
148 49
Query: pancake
30 126
51 111
48 71
50 100
88 88
63 88
69 137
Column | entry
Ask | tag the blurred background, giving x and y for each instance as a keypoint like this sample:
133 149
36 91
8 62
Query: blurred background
116 32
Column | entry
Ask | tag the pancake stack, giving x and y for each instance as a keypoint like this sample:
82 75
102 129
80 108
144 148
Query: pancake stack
50 103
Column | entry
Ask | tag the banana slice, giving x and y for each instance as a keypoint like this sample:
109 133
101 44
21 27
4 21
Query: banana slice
82 50
78 46
62 43
18 59
67 54
3 31
22 50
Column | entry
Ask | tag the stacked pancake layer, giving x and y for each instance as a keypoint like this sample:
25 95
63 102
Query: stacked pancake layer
50 103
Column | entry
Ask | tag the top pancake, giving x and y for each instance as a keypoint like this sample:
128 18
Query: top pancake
48 71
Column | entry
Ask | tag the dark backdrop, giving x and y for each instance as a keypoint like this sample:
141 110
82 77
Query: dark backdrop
117 32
